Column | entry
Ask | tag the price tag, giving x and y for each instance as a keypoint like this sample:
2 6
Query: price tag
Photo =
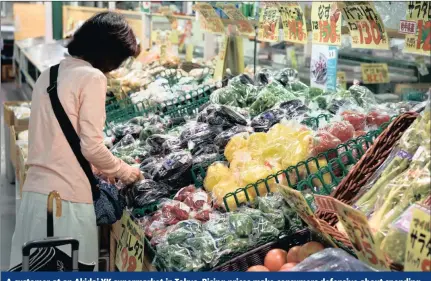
356 225
296 200
418 247
241 22
130 247
212 22
293 20
419 42
407 27
341 79
268 23
221 60
365 24
375 73
189 52
326 23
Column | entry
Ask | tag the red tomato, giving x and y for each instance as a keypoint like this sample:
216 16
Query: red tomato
355 118
342 130
377 119
324 141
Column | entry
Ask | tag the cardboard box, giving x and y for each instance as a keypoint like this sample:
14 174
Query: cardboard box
13 136
10 118
21 168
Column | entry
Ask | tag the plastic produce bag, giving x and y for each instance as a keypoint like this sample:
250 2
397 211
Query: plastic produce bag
224 137
264 121
224 96
215 173
222 115
357 119
323 141
270 95
155 143
205 159
331 259
175 169
342 130
149 166
122 130
124 148
263 77
146 192
286 75
363 96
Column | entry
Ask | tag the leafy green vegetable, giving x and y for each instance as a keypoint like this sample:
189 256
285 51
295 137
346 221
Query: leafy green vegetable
269 96
242 224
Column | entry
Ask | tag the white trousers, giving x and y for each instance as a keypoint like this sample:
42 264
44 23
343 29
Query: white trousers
78 221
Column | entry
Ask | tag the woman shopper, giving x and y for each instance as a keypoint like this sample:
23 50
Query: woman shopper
99 46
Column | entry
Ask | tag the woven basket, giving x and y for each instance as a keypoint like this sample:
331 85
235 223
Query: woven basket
369 163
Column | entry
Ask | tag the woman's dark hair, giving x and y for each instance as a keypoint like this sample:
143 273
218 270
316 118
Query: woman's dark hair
105 41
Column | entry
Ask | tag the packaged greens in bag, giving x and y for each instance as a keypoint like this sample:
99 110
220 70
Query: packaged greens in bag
177 258
270 95
363 96
175 169
264 77
286 75
124 147
225 96
122 130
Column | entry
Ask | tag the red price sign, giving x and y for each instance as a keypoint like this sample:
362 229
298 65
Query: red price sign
326 23
356 225
375 73
365 25
420 41
130 248
293 21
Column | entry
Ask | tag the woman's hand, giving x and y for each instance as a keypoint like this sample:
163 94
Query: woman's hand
135 176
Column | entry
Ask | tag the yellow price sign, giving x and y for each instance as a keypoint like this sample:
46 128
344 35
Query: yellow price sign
419 12
268 23
221 60
341 79
211 21
326 23
189 52
296 201
418 247
365 24
375 73
130 247
293 20
241 22
359 232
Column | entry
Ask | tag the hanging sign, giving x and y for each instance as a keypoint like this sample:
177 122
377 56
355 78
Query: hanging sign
130 247
293 20
241 22
420 41
375 73
174 37
296 201
212 22
189 52
341 79
365 24
323 67
268 23
326 23
359 232
221 61
418 247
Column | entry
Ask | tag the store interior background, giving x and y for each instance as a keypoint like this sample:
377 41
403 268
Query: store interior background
205 45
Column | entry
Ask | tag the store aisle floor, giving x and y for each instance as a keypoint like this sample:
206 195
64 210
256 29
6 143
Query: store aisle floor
7 190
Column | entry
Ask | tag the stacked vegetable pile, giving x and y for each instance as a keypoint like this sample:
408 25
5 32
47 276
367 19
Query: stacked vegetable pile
186 242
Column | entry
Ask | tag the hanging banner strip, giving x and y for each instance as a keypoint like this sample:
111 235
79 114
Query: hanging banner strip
269 23
241 22
365 25
326 23
419 42
293 20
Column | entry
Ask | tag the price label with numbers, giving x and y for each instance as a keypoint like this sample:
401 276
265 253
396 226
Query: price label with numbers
211 20
359 232
375 73
419 42
130 247
326 23
418 247
293 21
365 24
243 25
268 23
296 201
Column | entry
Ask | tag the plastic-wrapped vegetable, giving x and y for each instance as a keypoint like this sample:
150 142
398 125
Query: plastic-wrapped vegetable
202 160
224 137
178 258
171 145
225 96
242 224
175 169
224 116
323 141
146 192
363 96
265 120
122 130
331 259
342 130
155 143
264 77
357 119
149 166
286 75
124 147
270 95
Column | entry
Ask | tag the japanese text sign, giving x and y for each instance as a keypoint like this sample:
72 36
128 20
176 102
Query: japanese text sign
420 41
407 27
209 19
365 24
296 201
375 73
293 20
268 23
359 232
326 23
243 25
130 248
418 247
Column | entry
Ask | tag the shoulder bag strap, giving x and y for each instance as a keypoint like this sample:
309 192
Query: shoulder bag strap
69 131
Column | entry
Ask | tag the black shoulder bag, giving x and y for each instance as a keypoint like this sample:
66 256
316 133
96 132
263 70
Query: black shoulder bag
107 202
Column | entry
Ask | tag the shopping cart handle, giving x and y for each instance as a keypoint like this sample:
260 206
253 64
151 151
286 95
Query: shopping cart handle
50 242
